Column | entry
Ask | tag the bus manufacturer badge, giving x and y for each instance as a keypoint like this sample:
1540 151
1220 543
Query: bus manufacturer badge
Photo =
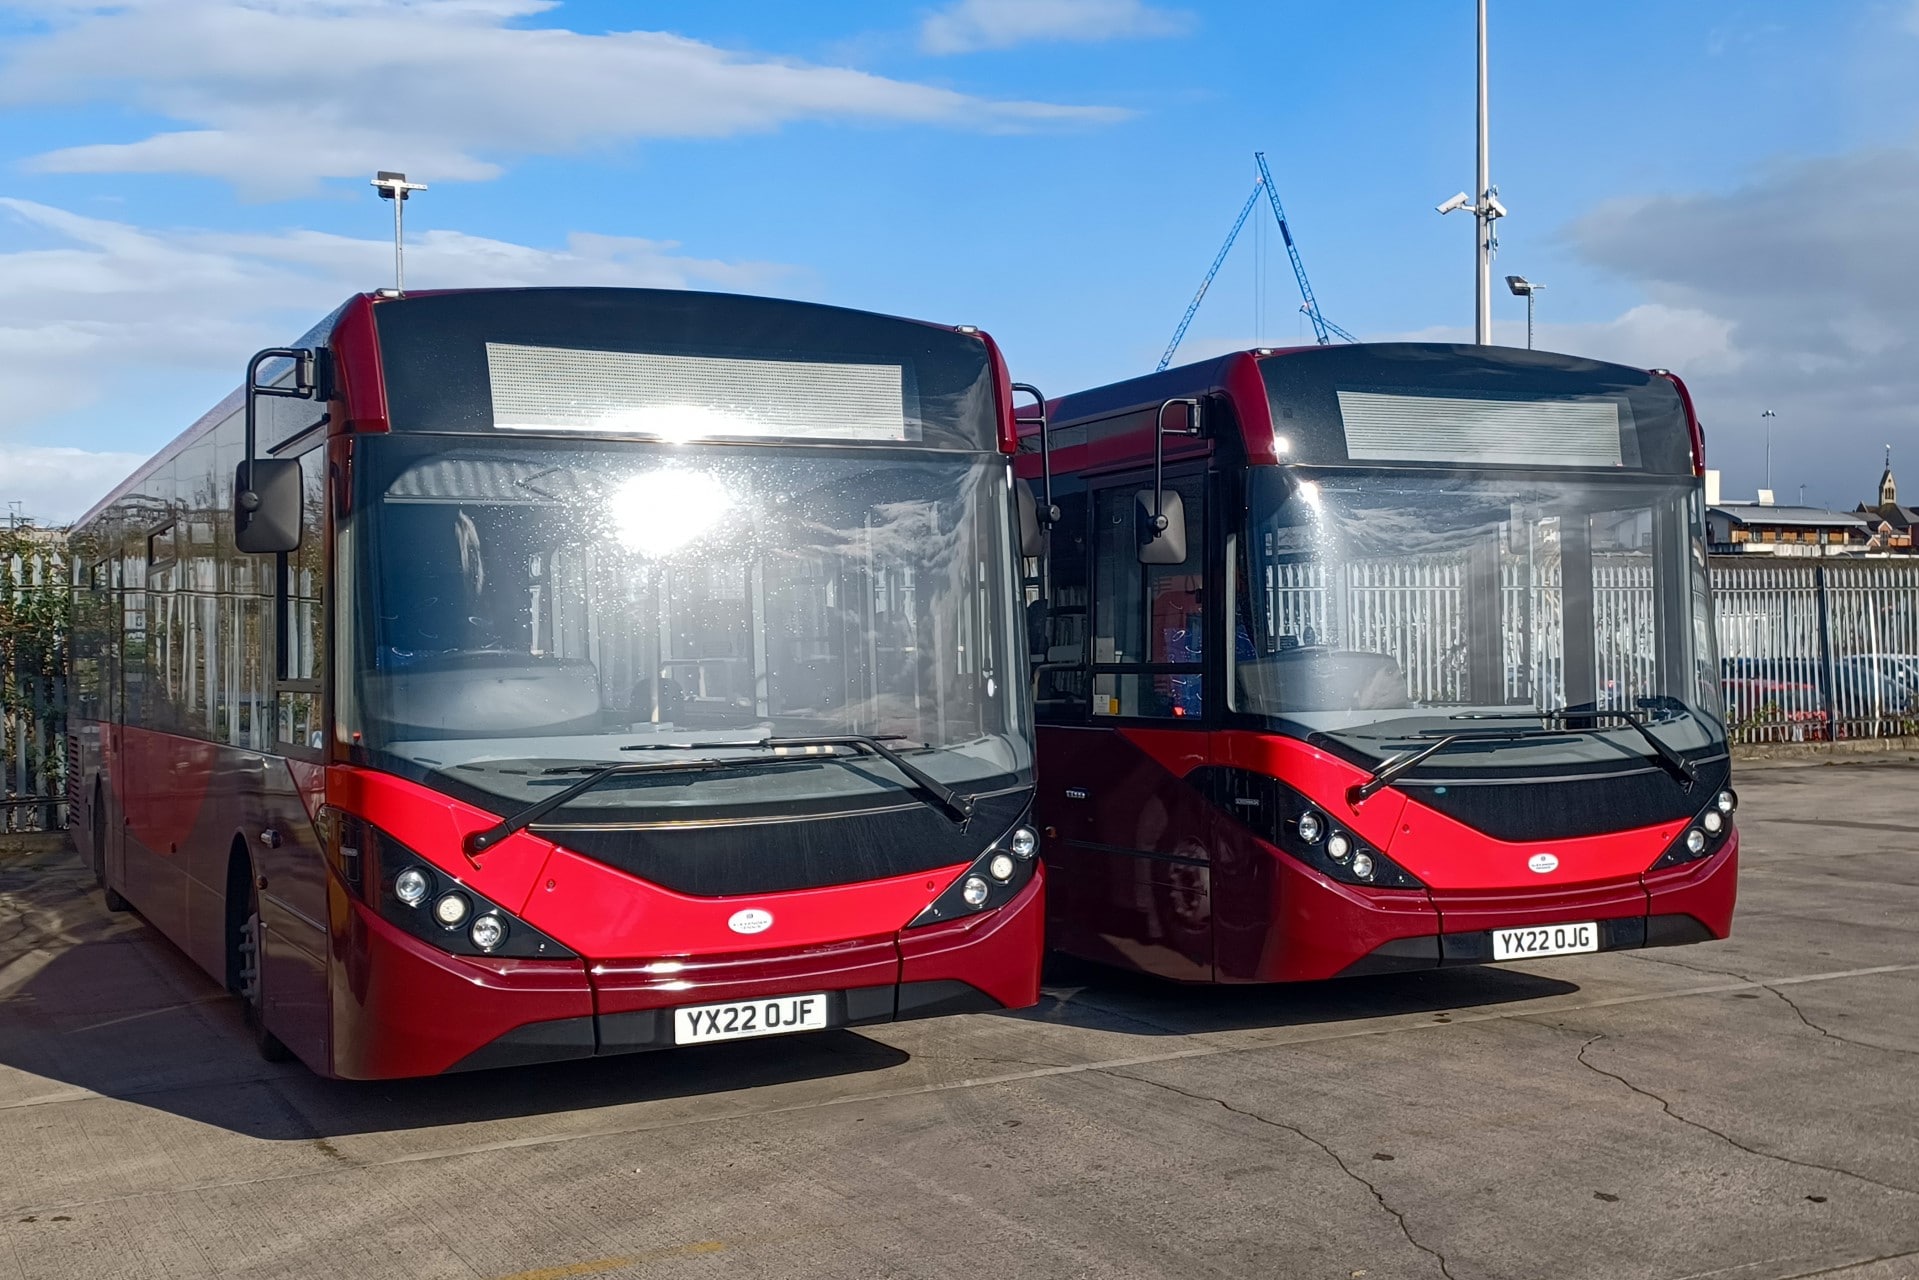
751 920
1540 862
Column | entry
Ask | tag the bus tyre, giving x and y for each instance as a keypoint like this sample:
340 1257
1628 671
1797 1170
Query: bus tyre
252 997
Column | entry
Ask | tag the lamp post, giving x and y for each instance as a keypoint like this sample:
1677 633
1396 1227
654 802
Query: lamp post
1486 209
1767 417
1524 288
395 187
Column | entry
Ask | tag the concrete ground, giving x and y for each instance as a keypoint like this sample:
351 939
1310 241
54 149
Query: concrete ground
1745 1109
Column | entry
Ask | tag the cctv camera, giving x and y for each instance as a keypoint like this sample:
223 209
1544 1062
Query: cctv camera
1457 202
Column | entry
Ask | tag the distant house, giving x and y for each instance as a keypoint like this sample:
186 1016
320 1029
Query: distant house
1890 527
1762 528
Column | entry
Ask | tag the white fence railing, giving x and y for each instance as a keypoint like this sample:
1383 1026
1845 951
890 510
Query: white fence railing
1809 651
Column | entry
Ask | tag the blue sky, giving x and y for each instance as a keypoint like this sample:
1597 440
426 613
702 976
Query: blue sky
1730 189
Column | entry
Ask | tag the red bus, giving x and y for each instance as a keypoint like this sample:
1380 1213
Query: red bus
1377 657
513 675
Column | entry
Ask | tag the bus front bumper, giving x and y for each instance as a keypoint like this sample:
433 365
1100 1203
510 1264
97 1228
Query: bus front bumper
1692 903
424 1012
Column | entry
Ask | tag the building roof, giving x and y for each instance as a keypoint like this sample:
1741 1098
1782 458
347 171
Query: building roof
1752 513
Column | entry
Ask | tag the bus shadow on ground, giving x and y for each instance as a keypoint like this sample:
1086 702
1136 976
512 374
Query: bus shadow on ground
1080 993
111 1008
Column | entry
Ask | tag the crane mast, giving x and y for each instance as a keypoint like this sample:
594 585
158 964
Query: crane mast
1324 329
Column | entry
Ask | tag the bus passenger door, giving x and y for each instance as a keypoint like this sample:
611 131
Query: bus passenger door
1132 864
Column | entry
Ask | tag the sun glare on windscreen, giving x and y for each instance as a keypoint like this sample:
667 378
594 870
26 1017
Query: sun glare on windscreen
656 513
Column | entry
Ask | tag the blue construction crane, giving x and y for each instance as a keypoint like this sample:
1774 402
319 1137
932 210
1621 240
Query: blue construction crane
1325 329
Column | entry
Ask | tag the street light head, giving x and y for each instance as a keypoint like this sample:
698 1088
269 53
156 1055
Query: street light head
393 185
1459 201
1519 285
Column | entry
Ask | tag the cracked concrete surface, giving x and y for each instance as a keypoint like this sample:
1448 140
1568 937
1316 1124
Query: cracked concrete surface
1744 1110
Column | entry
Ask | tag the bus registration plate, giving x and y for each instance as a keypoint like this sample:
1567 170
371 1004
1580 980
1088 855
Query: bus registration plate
1545 940
737 1019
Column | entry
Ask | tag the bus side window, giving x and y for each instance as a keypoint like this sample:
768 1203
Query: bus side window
1063 684
1147 617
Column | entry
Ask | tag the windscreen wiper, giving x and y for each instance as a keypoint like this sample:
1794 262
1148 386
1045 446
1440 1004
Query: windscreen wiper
956 806
1674 763
1389 771
950 802
479 842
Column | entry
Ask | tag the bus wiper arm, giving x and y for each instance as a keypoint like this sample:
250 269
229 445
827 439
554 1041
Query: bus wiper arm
1674 763
1390 771
956 806
478 842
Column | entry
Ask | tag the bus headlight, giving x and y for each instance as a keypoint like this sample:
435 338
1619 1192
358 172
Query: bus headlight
1025 842
1695 841
974 891
488 932
451 910
1338 846
1726 802
1713 822
1362 866
411 886
1000 867
1310 827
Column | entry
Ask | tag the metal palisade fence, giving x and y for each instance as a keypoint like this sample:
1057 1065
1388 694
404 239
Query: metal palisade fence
1818 650
35 605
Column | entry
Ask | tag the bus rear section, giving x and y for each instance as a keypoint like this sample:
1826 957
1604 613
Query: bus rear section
643 672
1404 661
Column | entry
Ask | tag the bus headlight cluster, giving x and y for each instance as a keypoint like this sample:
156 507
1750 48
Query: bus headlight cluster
437 907
1341 854
995 879
1704 836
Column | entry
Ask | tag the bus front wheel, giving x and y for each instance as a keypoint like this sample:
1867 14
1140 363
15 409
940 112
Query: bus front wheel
248 968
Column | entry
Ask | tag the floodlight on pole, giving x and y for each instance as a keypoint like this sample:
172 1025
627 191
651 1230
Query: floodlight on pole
1766 417
1524 288
394 186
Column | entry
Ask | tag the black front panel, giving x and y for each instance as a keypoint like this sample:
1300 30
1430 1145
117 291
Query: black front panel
725 859
1565 808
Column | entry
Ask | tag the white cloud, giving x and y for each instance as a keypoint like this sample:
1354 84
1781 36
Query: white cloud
970 25
443 89
1807 279
54 484
103 309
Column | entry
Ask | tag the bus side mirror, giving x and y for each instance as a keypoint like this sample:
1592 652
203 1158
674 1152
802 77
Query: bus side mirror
266 506
1032 538
266 491
1162 538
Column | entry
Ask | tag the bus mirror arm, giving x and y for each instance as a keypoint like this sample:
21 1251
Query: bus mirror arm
1048 511
266 491
1160 432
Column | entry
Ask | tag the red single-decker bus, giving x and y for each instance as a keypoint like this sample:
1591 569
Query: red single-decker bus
512 675
1384 657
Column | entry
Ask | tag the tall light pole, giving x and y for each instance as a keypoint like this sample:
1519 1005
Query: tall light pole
395 187
1486 209
1767 418
1525 288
